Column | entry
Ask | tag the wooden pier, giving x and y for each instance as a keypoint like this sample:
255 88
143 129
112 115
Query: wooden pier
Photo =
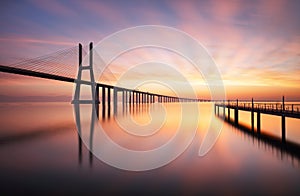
278 109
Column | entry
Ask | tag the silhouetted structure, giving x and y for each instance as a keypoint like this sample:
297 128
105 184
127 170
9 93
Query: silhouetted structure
129 96
263 140
278 109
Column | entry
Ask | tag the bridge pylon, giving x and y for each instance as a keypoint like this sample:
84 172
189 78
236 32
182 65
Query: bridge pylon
78 81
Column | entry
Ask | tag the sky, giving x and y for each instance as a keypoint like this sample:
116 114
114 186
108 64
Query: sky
255 44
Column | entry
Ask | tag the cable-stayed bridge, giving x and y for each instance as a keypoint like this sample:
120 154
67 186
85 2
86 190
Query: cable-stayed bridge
62 65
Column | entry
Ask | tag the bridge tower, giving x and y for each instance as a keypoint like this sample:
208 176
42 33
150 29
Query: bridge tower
94 95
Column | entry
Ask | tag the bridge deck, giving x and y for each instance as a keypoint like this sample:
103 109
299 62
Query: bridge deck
26 72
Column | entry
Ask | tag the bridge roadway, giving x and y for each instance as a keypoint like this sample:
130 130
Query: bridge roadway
24 72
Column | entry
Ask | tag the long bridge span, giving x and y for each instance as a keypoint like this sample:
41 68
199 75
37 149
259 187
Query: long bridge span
58 70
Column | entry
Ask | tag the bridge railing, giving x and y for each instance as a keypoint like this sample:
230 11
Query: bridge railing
274 107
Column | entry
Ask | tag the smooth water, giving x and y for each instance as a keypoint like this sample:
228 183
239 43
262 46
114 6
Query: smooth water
40 152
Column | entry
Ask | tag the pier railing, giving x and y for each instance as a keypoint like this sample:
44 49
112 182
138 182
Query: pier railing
272 107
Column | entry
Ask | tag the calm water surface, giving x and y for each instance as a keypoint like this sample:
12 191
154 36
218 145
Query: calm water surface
40 152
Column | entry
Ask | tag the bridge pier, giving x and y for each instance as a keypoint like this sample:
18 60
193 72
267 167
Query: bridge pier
140 98
252 115
283 128
283 121
215 108
224 115
258 121
115 100
97 94
228 111
108 101
236 113
236 116
103 102
123 99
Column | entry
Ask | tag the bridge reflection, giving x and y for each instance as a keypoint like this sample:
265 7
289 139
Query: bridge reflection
98 117
284 150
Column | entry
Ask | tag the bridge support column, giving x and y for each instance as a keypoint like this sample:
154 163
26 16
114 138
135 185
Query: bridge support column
123 98
228 110
283 128
115 100
143 97
103 102
236 113
136 97
108 101
224 115
283 121
140 97
258 122
252 116
215 108
97 94
236 116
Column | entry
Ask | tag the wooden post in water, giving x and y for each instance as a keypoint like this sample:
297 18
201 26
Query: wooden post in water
252 115
215 108
283 121
224 116
228 111
236 113
123 98
258 121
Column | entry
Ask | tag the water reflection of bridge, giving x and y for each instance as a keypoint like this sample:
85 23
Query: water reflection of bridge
286 150
278 109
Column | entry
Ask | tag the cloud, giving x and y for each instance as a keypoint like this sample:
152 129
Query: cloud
250 42
56 7
38 41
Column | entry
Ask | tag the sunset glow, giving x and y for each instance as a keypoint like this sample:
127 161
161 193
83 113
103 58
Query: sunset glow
254 44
